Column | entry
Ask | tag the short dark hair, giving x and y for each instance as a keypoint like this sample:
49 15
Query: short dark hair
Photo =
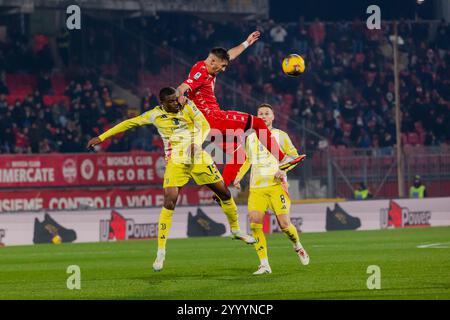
167 91
264 105
220 53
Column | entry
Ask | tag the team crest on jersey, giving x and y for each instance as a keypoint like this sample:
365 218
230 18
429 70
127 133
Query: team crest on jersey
197 75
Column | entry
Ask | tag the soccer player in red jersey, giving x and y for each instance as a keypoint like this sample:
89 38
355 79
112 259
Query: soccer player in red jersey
200 88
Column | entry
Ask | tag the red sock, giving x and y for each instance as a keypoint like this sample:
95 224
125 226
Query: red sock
232 167
265 137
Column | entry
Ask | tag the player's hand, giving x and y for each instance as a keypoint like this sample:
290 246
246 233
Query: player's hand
93 142
237 183
182 100
280 175
253 37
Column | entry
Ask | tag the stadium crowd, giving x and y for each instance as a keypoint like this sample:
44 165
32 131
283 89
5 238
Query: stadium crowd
346 94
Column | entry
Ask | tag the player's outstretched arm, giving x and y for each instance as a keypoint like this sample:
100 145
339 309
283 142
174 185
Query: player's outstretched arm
121 127
288 148
251 39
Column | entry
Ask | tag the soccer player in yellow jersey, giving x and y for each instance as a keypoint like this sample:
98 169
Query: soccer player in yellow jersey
183 130
269 189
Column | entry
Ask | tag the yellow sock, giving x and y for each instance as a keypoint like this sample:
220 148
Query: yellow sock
261 244
292 234
230 209
165 221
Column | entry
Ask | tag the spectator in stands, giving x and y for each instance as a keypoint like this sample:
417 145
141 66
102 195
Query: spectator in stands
63 41
317 32
3 88
418 189
278 35
362 192
343 60
148 101
44 83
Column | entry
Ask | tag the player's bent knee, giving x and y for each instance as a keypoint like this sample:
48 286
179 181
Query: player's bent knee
170 203
256 217
283 221
224 195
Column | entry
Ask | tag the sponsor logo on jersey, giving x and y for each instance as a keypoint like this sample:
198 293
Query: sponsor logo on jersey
197 75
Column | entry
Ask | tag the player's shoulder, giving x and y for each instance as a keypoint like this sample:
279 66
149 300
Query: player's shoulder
198 69
280 133
153 113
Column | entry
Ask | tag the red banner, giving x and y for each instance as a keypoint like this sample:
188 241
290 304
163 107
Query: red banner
67 170
100 199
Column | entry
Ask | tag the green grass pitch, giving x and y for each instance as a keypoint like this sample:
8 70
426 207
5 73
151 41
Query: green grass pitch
219 268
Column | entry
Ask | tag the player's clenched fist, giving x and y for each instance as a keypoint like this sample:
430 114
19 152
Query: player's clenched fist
93 142
253 37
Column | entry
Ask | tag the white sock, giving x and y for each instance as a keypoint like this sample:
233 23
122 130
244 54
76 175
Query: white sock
298 246
161 252
264 262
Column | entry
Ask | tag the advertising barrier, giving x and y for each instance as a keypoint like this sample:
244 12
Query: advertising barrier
72 170
20 201
192 221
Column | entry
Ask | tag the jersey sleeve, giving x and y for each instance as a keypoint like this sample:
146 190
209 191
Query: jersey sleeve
200 122
286 144
196 78
141 120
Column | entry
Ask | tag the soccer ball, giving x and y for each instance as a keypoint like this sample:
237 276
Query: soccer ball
293 65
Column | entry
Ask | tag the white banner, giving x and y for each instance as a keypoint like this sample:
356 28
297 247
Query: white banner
127 224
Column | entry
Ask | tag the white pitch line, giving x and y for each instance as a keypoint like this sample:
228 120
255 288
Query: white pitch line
434 245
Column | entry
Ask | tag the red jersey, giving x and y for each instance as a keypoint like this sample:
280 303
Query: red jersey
202 88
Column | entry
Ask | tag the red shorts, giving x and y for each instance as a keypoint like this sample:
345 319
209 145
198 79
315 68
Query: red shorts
223 120
236 123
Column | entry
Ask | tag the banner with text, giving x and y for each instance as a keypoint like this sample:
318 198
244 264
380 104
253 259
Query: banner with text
90 169
19 201
195 221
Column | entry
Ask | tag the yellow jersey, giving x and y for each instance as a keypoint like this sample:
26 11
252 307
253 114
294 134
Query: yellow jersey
178 130
264 164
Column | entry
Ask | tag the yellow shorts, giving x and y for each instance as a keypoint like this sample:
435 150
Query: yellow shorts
273 198
179 174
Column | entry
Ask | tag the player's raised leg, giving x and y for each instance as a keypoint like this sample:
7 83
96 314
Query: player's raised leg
235 123
268 140
229 208
164 224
